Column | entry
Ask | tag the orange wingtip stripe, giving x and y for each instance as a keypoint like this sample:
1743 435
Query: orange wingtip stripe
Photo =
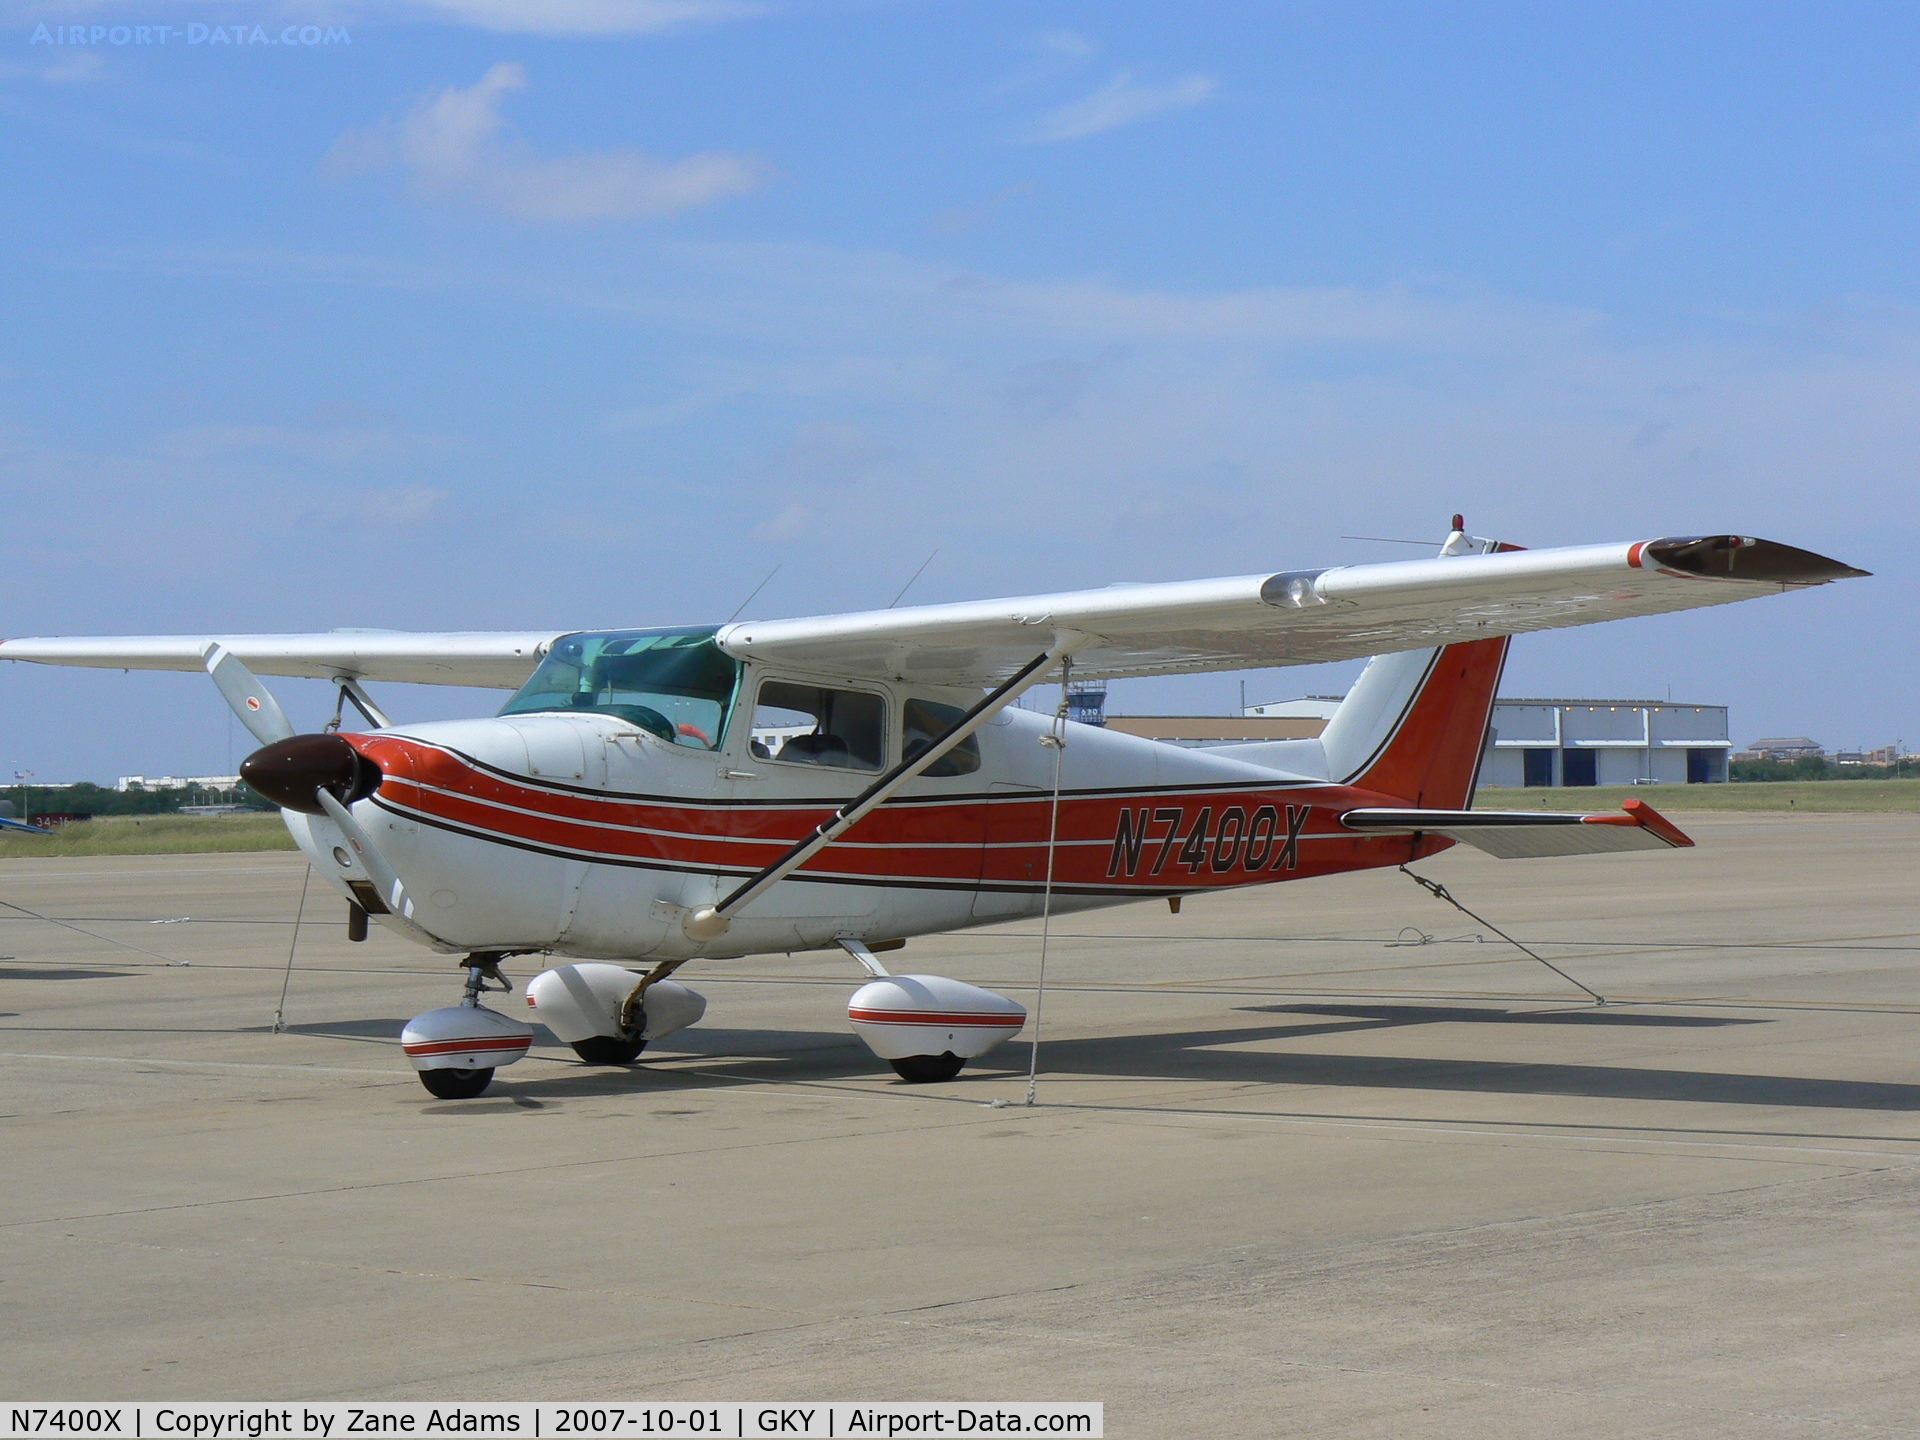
1638 812
1653 820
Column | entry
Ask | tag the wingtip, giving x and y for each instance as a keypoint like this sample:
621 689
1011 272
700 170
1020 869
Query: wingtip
1741 557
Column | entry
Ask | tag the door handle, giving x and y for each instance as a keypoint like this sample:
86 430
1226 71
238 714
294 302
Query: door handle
739 775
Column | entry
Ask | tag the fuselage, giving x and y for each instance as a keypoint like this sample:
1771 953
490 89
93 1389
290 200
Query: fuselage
587 835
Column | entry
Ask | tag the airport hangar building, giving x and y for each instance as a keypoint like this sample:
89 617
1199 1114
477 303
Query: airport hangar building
1530 742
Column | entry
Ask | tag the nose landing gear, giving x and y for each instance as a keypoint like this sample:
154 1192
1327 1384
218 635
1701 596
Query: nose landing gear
457 1048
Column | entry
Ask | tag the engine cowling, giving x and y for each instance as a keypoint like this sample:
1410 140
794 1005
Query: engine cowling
578 1002
907 1015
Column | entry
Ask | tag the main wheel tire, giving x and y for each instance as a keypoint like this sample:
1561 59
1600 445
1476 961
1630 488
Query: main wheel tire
456 1084
609 1049
927 1069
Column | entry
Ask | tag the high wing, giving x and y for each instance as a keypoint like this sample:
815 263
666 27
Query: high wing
1294 617
1532 834
499 660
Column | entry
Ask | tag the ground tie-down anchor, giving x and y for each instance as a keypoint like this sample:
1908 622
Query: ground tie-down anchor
1440 892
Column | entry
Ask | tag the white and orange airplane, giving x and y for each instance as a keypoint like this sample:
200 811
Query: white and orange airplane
709 792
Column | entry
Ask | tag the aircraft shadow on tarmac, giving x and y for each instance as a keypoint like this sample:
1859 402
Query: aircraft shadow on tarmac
28 972
1223 1055
376 1030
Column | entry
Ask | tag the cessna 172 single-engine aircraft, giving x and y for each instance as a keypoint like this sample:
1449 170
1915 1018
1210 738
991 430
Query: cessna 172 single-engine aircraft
711 792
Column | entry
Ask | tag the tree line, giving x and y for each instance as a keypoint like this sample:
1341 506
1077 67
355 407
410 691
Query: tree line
89 799
1817 767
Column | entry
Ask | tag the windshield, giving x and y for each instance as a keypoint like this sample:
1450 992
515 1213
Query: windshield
676 683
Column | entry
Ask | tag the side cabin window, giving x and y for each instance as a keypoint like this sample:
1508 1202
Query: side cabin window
811 725
676 683
924 721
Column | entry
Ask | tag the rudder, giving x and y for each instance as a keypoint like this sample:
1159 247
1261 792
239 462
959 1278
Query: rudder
1415 723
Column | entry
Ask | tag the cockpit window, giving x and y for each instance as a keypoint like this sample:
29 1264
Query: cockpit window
808 725
676 683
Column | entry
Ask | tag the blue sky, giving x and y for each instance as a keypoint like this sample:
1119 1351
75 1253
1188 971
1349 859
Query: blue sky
503 314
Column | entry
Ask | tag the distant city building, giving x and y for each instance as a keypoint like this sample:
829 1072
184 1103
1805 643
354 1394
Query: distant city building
1572 742
1196 731
175 782
1605 742
1544 742
1087 702
1885 755
1307 707
1782 747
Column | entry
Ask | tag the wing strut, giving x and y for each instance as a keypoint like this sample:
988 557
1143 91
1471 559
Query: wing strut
710 922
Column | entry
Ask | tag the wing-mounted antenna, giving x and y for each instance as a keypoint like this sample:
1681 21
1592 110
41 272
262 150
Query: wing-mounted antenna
251 700
1459 542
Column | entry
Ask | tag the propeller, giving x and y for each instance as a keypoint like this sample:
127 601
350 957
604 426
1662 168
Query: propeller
324 775
251 700
378 870
313 774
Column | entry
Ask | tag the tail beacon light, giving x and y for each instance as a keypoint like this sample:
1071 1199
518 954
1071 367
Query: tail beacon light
904 1016
464 1037
579 1002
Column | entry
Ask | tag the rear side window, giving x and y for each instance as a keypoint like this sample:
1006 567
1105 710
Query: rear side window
924 721
811 725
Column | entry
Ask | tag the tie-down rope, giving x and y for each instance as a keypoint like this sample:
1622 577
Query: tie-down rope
280 1011
1440 892
92 934
1056 740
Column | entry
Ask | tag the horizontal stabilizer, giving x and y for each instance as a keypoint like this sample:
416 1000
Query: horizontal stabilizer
1529 834
22 826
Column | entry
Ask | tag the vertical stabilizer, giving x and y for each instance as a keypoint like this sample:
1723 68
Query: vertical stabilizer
1414 725
1415 722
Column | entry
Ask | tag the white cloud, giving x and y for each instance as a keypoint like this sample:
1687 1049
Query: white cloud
590 17
1050 434
332 445
1069 44
452 147
1054 53
507 17
79 67
1121 101
408 505
789 524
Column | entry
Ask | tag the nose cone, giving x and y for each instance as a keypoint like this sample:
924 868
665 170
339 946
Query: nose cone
292 772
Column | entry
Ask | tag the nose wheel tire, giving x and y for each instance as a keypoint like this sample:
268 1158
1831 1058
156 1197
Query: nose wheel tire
609 1049
927 1069
456 1084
